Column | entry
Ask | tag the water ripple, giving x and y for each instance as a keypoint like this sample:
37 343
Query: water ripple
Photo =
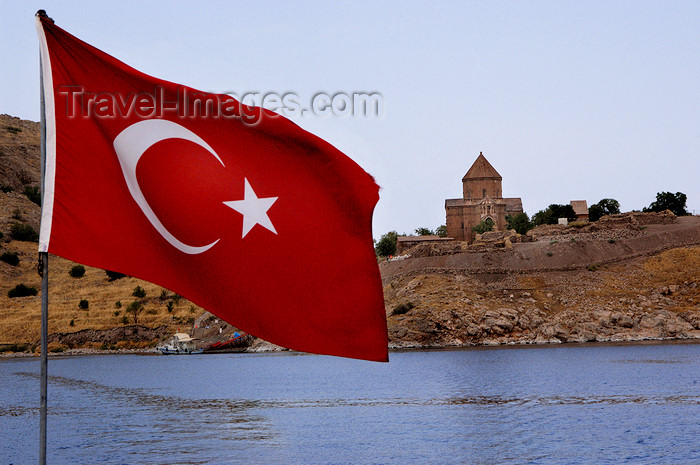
238 406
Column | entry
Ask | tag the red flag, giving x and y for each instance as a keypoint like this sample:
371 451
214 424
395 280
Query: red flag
235 208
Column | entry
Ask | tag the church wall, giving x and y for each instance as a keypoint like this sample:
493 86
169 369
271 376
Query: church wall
455 222
473 189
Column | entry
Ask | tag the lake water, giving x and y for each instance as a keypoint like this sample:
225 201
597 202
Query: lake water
632 404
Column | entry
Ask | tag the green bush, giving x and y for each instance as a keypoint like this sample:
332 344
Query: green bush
33 193
170 306
117 312
386 245
611 241
520 223
6 189
21 290
84 304
549 254
163 295
125 320
14 348
602 208
592 267
669 201
118 304
113 275
552 213
402 308
23 232
139 292
72 323
484 226
78 271
11 258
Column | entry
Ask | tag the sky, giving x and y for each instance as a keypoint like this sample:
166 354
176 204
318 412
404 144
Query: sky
568 100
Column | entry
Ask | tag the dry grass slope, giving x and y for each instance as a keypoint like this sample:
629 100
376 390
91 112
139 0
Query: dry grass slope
20 317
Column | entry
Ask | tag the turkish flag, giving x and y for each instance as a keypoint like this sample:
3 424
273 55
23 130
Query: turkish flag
233 207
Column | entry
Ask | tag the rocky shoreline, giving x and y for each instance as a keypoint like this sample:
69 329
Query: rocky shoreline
629 282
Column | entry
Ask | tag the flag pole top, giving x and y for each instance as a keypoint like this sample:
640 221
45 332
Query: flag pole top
42 14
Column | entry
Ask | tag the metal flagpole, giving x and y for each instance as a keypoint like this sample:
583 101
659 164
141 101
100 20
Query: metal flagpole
43 269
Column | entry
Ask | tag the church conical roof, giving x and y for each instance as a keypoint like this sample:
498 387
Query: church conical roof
481 169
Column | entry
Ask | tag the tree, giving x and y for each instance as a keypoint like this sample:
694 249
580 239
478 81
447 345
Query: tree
551 214
135 308
424 232
602 208
486 225
668 201
387 244
520 223
441 231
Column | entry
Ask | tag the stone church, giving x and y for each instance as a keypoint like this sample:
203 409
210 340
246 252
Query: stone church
482 199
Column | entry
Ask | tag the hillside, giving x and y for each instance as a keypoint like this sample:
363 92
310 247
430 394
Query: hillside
163 311
628 277
618 280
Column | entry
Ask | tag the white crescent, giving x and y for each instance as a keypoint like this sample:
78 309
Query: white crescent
131 143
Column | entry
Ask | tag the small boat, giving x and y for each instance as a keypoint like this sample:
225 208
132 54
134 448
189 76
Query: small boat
179 344
235 342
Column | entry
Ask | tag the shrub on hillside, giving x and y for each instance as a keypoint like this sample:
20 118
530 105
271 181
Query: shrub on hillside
83 304
78 271
602 208
21 290
519 222
23 232
386 245
113 275
483 226
139 292
33 193
669 201
552 213
402 308
11 258
14 348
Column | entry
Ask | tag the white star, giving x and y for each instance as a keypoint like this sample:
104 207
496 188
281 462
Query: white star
253 209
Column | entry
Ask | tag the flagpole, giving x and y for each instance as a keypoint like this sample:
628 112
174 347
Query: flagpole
43 269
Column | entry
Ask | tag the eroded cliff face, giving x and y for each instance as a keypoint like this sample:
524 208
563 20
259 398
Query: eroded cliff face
648 295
